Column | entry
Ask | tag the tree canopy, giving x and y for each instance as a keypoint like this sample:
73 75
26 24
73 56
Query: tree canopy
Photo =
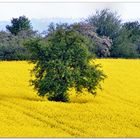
61 62
19 24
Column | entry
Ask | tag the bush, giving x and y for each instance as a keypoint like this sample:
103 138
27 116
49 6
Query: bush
61 62
12 47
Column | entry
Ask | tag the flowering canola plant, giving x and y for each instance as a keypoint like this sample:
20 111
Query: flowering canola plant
114 112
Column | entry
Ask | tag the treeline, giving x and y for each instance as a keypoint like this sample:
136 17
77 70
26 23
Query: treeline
108 36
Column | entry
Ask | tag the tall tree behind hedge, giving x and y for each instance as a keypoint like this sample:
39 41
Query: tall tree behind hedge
19 24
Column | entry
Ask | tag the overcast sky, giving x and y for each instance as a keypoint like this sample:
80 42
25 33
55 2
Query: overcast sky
127 11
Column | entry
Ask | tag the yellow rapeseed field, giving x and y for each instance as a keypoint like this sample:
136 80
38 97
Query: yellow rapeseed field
114 112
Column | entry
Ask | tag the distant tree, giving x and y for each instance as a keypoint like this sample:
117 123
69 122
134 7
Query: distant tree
106 22
133 30
19 24
61 62
124 46
51 28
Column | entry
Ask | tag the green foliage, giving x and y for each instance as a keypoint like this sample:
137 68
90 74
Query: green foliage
19 24
12 48
133 31
61 62
126 44
106 22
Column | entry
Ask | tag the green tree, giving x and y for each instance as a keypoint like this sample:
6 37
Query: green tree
106 22
19 24
124 46
62 61
133 31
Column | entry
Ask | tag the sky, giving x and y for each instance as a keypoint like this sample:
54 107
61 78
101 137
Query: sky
127 11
